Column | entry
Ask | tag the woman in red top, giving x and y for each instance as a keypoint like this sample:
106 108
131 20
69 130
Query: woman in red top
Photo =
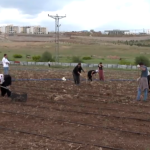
101 74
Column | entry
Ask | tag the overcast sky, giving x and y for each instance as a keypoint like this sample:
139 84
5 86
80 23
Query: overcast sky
80 14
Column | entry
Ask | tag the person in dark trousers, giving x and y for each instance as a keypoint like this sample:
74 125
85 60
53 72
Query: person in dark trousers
4 86
91 73
76 73
49 63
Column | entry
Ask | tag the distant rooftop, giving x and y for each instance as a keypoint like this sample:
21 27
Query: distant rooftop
116 30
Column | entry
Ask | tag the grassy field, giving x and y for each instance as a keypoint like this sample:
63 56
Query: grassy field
103 51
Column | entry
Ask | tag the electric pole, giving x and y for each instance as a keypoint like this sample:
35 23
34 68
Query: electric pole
57 25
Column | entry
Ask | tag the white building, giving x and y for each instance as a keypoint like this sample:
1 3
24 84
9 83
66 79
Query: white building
25 29
34 30
9 29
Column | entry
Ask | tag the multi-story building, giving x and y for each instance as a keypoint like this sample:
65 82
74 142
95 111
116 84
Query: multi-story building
9 29
25 29
34 30
116 32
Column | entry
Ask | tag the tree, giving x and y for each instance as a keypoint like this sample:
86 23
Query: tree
46 56
92 31
142 59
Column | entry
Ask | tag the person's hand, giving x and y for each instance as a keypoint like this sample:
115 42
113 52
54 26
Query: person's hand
138 78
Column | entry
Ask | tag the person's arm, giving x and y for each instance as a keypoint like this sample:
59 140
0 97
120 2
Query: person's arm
7 62
143 68
79 72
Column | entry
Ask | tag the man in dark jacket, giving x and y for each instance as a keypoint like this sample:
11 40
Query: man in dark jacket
91 73
76 73
4 86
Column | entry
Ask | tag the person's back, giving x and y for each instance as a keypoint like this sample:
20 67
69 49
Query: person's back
90 71
144 73
4 86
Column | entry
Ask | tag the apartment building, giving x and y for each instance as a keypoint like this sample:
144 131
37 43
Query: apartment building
34 30
25 29
9 29
116 32
39 30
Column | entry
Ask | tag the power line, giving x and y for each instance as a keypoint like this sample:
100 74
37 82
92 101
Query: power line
57 25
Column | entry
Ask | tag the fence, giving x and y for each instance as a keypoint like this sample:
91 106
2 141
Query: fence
115 66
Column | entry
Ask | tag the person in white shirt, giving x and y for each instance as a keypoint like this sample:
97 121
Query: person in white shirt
49 63
5 63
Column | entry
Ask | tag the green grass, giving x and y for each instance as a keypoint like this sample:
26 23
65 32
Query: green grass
100 52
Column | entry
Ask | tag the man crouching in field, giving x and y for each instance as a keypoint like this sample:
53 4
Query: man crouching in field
5 82
91 73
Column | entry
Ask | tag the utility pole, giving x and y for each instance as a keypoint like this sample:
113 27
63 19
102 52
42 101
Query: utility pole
57 25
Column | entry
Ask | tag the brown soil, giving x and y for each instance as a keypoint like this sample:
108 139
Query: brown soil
62 116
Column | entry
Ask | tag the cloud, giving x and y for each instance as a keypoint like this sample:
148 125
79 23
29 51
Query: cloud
35 6
83 15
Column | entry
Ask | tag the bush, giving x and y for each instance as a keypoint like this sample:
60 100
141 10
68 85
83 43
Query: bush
36 58
46 56
142 59
86 58
124 62
76 59
17 56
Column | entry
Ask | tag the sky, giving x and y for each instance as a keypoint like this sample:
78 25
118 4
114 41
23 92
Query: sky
98 15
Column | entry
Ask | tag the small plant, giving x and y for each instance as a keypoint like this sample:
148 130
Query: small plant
124 62
86 58
76 59
17 56
36 58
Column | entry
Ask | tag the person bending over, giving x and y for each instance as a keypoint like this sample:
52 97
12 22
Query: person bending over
4 86
91 73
